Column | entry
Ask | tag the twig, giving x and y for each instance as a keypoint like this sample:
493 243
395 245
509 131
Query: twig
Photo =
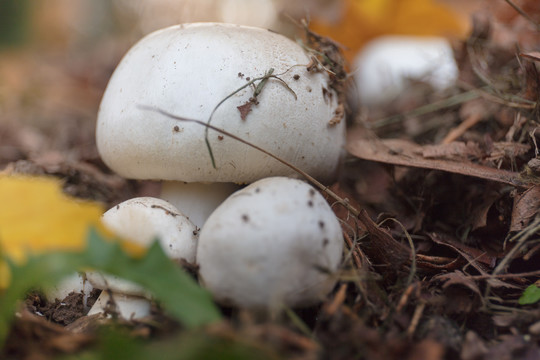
417 315
413 250
523 235
504 276
258 89
523 13
353 249
465 125
426 109
405 297
338 300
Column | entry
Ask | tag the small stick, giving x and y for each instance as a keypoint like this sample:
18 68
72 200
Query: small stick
523 13
353 249
338 300
310 178
405 297
456 132
417 315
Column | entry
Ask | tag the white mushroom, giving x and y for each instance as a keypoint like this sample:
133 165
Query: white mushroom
275 242
142 220
384 66
187 70
74 283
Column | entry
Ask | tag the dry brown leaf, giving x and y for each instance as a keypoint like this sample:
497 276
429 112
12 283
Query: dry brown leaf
458 278
479 215
526 207
245 109
381 246
532 55
406 153
507 150
477 258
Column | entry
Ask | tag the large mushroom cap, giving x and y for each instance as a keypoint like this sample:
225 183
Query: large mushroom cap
274 242
187 70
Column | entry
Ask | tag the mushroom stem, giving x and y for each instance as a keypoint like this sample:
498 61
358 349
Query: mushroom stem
127 306
196 200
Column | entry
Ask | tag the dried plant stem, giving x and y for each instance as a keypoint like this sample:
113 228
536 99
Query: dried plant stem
258 89
412 273
308 177
353 250
465 125
523 13
417 315
426 109
505 276
521 238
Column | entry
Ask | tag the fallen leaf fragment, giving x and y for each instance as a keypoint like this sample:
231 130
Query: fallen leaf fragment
526 207
476 257
406 153
532 55
381 246
456 149
245 109
458 278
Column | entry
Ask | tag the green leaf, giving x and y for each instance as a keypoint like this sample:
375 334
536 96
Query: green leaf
179 294
176 290
531 295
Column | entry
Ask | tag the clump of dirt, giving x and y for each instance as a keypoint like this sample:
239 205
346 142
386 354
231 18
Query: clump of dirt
327 55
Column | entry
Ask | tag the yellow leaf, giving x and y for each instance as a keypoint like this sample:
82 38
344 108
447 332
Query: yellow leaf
363 20
37 217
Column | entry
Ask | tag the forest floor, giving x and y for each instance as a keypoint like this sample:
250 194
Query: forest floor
443 237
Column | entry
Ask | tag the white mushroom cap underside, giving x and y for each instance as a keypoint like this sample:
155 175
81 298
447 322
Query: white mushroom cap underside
276 241
187 70
143 220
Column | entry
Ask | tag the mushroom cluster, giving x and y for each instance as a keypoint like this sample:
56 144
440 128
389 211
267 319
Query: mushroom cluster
276 241
251 82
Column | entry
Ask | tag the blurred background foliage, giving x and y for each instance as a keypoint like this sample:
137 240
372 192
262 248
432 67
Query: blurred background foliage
56 56
13 22
60 23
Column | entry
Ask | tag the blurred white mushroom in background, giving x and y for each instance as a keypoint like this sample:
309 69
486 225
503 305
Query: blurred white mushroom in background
386 65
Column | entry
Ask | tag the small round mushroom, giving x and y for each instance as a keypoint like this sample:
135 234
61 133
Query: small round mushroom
187 70
142 220
276 242
385 64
